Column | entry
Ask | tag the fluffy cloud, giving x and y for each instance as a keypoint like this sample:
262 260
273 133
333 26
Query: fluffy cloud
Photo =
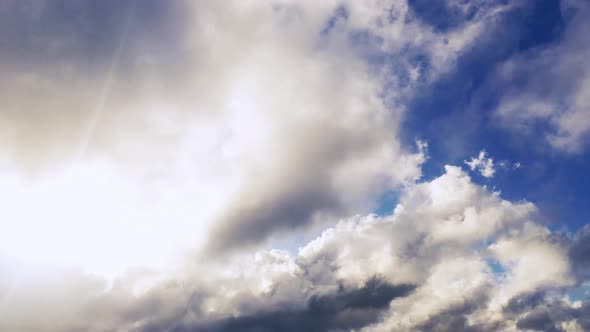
552 96
483 164
405 271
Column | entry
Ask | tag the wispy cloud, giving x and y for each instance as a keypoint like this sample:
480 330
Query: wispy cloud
552 98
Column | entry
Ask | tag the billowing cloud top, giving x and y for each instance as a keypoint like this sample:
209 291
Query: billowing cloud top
161 161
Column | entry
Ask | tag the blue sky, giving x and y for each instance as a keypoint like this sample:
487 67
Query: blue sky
282 165
454 114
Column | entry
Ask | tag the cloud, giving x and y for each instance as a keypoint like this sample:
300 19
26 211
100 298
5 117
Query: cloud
253 129
428 265
343 310
579 252
140 198
483 164
551 97
554 314
229 124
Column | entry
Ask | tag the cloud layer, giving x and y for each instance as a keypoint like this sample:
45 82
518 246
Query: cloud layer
451 256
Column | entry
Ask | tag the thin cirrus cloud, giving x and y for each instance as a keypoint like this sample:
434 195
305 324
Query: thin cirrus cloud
150 150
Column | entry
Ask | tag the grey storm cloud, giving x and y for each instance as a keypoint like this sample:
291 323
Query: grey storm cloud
341 311
551 315
580 253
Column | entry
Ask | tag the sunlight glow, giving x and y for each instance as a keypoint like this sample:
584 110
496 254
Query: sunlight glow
107 217
94 216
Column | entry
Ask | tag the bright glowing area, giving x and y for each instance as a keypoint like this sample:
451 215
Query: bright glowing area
96 216
107 216
85 215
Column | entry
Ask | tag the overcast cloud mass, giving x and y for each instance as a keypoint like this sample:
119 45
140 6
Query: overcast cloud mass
277 165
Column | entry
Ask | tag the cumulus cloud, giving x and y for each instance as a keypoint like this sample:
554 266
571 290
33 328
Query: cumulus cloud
552 97
483 164
451 256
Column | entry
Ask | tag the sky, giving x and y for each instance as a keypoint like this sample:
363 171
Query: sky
282 165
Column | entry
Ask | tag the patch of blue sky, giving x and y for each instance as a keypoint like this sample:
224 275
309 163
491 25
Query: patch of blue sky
496 268
455 116
580 293
387 203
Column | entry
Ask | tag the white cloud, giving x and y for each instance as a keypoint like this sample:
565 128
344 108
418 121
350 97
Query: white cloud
259 118
483 164
414 245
